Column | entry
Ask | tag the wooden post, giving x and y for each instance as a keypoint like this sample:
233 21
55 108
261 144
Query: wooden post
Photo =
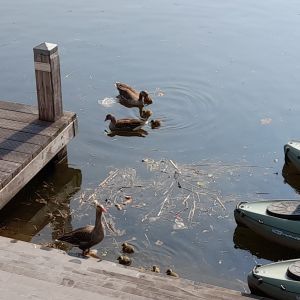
48 83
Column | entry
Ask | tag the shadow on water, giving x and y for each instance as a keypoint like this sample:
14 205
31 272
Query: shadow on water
246 239
45 200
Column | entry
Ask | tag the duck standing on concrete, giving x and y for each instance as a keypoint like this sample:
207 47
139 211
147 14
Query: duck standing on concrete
124 124
129 97
86 237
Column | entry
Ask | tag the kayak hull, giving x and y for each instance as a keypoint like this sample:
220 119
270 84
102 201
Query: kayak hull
282 231
272 281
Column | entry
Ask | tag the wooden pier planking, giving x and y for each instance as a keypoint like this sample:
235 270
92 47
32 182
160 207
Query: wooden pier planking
48 273
27 144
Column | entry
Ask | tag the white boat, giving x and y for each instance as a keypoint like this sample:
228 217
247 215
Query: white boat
280 280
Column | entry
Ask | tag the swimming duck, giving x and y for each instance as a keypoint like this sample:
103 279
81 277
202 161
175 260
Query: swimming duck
155 124
86 237
124 124
124 260
127 248
132 98
170 272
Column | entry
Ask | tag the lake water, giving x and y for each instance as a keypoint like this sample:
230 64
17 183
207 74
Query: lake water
224 77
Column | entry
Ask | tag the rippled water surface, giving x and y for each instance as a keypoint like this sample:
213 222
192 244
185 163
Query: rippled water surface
224 77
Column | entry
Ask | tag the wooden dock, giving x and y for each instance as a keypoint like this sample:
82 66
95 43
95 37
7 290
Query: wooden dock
30 136
29 271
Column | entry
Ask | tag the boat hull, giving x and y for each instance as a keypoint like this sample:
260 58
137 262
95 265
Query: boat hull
282 231
272 281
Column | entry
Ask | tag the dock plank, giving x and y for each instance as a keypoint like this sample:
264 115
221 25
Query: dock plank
102 278
19 146
14 106
33 165
14 156
9 166
28 127
15 135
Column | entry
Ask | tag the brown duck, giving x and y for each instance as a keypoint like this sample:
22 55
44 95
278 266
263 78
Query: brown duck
86 237
124 124
130 97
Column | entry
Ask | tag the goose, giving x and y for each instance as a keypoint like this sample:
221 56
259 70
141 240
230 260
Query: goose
86 237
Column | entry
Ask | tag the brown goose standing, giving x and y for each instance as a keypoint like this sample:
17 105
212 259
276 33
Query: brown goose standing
124 124
86 237
130 97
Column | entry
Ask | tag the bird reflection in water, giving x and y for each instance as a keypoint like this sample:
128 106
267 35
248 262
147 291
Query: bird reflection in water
137 133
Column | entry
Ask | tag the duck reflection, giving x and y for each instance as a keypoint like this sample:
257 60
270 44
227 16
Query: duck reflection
138 133
45 200
291 176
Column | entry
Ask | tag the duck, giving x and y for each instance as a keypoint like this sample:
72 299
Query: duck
126 124
86 237
170 272
132 98
127 248
124 260
155 123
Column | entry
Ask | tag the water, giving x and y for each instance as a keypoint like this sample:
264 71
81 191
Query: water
229 77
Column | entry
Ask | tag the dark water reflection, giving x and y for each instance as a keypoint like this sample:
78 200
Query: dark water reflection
44 202
224 78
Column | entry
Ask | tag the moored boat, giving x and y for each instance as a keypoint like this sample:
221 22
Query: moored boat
280 280
275 220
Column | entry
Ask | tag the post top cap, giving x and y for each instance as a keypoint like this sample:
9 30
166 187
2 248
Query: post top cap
45 48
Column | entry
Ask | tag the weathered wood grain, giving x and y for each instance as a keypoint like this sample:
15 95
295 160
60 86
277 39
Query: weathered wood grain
33 165
48 81
28 127
24 147
101 278
20 136
9 166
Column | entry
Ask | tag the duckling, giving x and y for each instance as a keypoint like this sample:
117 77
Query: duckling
170 272
124 260
124 124
145 114
155 124
155 269
130 97
127 248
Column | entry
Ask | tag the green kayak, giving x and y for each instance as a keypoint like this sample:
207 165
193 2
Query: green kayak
280 280
275 220
292 153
